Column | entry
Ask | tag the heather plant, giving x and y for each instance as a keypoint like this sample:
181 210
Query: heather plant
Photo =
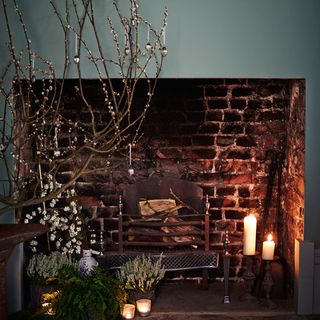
44 269
141 274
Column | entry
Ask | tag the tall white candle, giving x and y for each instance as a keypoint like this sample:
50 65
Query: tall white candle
268 248
249 236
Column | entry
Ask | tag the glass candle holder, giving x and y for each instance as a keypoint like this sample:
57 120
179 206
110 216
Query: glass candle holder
144 307
128 311
47 306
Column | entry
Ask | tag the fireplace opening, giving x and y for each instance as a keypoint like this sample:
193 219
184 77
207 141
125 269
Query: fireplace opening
240 140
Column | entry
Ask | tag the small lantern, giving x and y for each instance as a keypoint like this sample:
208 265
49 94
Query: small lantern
144 307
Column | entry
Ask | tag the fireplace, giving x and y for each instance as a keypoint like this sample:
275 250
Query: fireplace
240 140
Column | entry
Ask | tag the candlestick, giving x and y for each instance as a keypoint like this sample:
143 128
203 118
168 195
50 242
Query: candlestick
268 248
144 307
249 278
249 235
164 36
268 284
128 311
226 268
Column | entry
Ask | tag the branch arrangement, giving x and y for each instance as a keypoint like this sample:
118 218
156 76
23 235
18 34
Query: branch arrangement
35 130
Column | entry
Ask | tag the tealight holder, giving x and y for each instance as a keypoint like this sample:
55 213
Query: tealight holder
128 311
144 307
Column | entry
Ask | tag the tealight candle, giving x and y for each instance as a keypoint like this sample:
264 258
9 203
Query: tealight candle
48 308
249 235
128 311
268 248
144 307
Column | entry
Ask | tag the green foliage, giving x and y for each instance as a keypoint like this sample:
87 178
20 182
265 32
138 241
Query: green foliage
96 296
141 274
45 268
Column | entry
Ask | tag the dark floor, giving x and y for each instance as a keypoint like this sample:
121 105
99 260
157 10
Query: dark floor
185 300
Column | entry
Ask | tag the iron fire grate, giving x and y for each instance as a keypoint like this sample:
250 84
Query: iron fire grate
171 262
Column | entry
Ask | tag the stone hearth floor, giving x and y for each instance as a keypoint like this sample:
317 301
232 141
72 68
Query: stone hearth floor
185 300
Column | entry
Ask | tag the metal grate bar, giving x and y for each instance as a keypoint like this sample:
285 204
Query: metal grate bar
174 262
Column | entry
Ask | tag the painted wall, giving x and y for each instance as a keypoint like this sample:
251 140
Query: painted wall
223 38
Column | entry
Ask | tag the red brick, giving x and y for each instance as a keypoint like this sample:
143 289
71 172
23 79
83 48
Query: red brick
225 225
225 140
228 202
241 92
232 128
238 179
225 190
235 214
218 104
249 203
244 192
214 115
238 104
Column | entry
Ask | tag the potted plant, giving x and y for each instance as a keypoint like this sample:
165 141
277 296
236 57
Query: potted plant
43 271
95 295
141 276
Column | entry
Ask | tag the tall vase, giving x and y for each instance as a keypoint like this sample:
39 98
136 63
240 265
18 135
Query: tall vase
87 262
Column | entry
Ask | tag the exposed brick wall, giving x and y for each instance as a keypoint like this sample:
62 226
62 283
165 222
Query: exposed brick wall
292 203
215 132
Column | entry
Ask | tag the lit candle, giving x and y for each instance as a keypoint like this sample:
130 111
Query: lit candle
268 248
144 307
249 236
48 308
128 311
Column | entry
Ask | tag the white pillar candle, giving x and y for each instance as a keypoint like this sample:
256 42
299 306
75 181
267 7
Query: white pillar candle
144 307
268 248
249 235
128 311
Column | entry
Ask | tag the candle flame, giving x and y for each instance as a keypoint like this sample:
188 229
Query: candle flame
269 237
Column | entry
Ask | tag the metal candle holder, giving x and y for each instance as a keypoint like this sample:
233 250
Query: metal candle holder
268 283
249 278
226 264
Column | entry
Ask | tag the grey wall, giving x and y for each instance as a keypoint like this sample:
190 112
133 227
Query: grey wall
223 38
